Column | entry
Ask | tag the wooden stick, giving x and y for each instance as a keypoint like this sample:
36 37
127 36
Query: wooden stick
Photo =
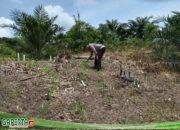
37 76
18 56
83 83
24 57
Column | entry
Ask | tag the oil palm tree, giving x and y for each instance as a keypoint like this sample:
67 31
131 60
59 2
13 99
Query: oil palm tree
119 29
36 30
167 40
137 26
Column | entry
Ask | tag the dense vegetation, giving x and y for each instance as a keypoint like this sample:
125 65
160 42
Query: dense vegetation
38 37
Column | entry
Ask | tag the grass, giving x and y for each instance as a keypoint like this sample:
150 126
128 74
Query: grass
41 123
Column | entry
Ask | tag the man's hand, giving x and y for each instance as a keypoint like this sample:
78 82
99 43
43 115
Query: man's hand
87 59
97 57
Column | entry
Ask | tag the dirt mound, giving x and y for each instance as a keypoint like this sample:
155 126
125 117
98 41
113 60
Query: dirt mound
76 92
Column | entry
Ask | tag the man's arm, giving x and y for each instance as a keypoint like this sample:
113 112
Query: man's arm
90 55
93 49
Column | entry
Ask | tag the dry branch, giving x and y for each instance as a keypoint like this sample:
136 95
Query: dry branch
32 77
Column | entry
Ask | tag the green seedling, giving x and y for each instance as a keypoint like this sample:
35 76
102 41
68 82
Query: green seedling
42 111
101 86
79 107
84 75
109 100
45 69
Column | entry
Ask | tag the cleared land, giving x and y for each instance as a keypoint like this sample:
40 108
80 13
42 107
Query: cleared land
75 92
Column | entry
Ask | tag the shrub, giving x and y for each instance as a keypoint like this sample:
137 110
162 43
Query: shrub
7 51
49 50
165 51
134 42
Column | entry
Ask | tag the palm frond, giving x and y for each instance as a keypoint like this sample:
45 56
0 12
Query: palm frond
40 13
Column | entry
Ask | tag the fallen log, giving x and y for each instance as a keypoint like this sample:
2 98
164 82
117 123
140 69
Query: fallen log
41 75
82 57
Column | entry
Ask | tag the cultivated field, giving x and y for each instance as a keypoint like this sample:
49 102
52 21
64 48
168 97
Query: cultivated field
129 89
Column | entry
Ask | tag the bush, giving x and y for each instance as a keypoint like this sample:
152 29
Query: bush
135 42
7 51
112 43
49 50
165 51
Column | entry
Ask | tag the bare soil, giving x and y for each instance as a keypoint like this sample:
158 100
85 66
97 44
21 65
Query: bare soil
74 91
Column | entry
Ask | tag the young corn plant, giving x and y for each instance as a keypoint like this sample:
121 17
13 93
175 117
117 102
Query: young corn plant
45 69
49 94
84 75
79 106
101 87
80 109
54 84
101 84
42 111
109 100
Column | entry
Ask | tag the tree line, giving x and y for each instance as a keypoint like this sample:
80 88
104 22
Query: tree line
37 36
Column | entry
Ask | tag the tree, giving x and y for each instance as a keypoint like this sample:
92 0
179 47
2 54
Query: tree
36 30
120 29
108 34
139 27
166 44
80 34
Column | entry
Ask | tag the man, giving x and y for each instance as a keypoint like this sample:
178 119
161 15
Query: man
98 50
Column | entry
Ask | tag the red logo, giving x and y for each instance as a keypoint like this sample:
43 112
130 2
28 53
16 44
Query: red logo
30 123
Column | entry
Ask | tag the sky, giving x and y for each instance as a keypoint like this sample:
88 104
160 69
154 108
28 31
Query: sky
92 11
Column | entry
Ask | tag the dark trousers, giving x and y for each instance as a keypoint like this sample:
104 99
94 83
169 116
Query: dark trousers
98 58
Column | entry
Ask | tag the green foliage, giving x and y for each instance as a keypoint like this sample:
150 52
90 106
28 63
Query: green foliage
165 51
31 64
38 36
7 51
84 64
13 43
80 34
36 30
80 110
49 50
108 34
109 100
42 111
84 74
45 69
141 27
54 84
166 42
133 42
101 86
79 107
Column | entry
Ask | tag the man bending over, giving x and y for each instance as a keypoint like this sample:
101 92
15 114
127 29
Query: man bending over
98 50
